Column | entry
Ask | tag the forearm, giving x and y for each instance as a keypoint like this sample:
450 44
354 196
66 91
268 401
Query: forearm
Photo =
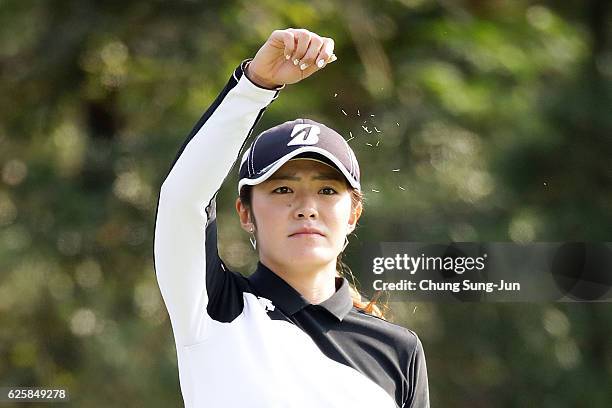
213 145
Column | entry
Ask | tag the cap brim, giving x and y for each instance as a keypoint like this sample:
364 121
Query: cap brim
277 164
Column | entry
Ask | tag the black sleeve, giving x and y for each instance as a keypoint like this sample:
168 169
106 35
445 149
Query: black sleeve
418 395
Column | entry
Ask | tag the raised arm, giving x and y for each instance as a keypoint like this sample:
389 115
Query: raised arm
203 162
200 167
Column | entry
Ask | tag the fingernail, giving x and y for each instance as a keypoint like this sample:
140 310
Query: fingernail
296 61
287 57
320 63
333 58
303 66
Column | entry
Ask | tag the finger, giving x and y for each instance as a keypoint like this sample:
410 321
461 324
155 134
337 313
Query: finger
302 40
283 39
326 53
312 52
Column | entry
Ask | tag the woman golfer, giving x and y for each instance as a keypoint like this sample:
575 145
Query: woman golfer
289 335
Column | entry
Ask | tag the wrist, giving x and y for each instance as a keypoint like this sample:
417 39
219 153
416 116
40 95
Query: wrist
258 80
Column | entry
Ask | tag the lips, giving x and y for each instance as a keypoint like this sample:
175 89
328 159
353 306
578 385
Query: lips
307 231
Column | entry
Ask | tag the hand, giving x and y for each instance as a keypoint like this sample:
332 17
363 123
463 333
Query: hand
288 56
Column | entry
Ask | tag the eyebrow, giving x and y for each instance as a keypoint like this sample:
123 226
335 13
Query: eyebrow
318 176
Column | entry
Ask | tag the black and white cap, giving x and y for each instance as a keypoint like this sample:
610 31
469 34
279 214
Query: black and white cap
300 138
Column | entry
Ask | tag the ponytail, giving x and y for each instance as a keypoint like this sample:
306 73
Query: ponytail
372 306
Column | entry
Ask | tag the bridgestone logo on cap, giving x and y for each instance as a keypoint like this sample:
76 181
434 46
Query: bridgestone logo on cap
304 134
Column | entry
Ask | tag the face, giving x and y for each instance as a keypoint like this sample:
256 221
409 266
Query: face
303 213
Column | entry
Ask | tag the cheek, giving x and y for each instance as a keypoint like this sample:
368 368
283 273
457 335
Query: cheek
268 215
340 214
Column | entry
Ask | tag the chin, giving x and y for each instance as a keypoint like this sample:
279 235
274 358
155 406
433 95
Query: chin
311 255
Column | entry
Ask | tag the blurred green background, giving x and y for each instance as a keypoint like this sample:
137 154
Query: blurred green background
498 115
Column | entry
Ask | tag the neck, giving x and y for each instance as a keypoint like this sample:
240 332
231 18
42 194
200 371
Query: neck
314 284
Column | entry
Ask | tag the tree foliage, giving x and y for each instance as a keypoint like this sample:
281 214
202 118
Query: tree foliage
497 115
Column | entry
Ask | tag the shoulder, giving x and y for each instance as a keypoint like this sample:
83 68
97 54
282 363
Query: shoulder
405 341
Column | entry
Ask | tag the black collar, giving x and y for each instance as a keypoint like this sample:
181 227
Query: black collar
290 301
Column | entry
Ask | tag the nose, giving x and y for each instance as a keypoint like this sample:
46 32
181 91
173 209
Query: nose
305 208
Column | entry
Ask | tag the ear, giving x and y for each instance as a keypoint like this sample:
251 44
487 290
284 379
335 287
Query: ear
244 215
354 217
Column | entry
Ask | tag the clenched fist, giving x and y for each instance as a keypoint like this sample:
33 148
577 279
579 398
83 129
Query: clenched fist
288 56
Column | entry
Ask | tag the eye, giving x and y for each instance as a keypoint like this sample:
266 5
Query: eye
328 191
282 190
